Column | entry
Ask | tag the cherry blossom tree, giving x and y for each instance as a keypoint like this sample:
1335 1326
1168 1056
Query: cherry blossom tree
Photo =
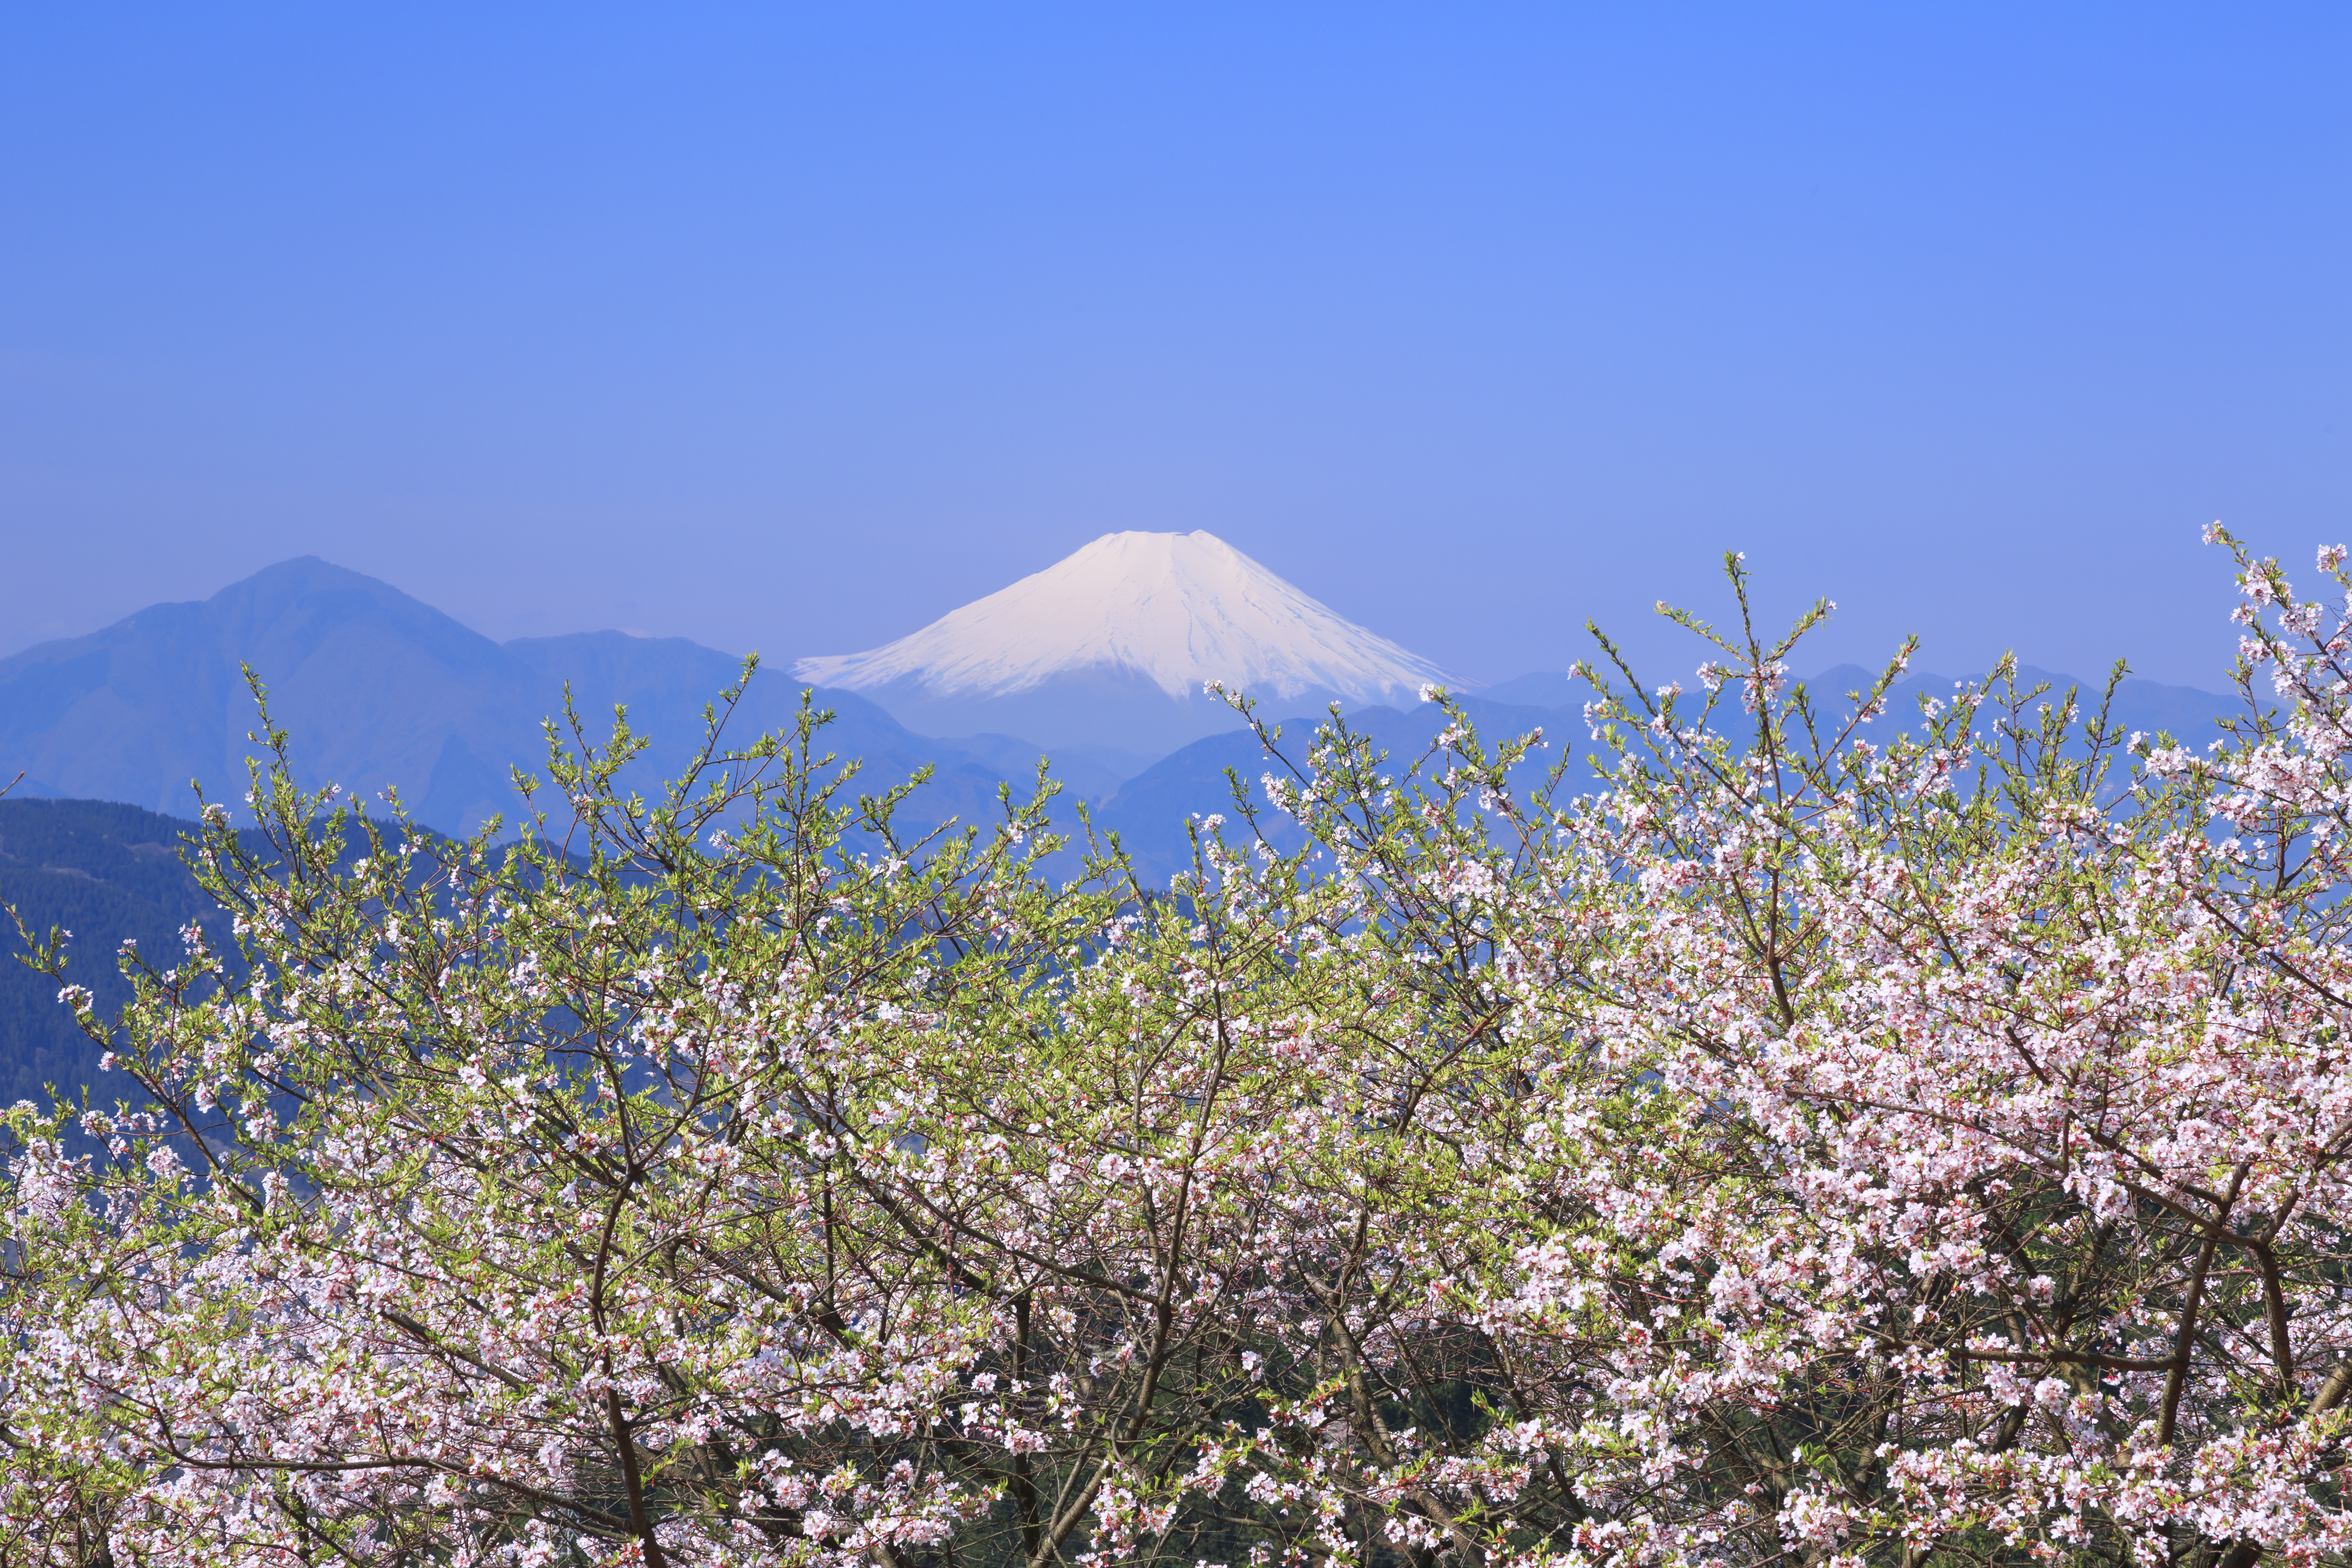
1796 1148
1939 1156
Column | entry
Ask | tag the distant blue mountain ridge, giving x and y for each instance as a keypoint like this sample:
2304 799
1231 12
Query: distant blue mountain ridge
377 688
2187 712
1149 809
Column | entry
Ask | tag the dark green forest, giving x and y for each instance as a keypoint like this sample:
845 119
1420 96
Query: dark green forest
104 872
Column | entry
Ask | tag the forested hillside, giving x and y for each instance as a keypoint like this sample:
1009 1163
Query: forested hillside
106 873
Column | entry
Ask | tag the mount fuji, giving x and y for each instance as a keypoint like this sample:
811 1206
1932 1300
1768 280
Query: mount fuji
1107 651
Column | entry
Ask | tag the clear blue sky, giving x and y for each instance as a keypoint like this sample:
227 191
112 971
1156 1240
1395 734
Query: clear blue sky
794 328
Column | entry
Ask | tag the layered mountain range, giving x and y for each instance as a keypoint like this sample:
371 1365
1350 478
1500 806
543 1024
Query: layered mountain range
378 690
1098 661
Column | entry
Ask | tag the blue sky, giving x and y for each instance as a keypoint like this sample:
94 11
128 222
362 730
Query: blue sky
793 328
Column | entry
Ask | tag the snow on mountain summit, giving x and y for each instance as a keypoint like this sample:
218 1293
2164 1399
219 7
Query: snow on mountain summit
1176 609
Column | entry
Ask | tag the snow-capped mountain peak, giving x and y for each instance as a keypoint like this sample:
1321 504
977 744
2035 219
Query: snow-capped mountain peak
1175 609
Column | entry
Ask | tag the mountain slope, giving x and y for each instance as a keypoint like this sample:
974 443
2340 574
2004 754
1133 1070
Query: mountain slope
2188 712
1150 810
105 873
136 711
377 688
1112 645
